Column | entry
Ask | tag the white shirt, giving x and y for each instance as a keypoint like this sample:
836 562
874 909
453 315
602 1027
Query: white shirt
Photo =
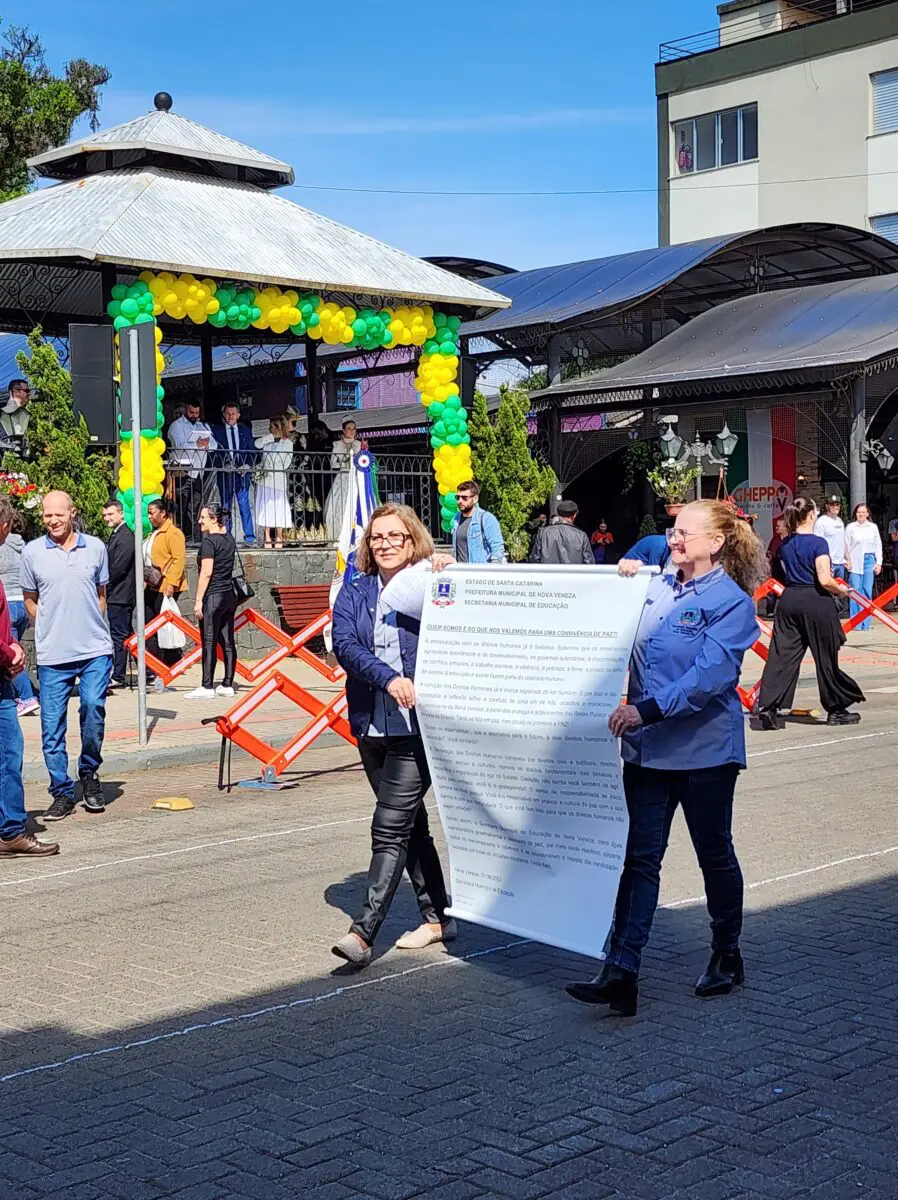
859 541
184 437
832 530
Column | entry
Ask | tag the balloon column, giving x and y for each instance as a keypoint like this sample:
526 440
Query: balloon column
239 308
135 304
436 382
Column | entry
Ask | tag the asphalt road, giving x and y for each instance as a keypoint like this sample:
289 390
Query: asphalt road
172 1022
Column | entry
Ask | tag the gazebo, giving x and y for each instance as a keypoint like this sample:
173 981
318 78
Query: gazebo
161 219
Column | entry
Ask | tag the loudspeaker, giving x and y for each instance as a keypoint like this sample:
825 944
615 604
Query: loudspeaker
93 384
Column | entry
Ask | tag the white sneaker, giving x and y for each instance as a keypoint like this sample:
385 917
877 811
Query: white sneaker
200 693
221 690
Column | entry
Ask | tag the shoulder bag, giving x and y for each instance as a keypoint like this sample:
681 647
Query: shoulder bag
243 590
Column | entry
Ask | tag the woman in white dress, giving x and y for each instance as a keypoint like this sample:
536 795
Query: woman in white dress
341 461
272 501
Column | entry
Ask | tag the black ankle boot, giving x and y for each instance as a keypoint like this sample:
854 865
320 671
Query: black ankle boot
617 988
768 719
725 971
840 716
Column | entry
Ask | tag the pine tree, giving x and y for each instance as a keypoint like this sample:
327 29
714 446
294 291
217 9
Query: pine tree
58 439
512 484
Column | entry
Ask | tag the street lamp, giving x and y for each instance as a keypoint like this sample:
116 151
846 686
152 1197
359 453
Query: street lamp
673 449
883 457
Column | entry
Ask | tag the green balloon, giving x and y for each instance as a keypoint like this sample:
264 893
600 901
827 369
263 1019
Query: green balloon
129 308
453 402
454 439
439 319
148 302
387 337
439 429
120 323
113 309
446 524
465 439
255 312
359 327
454 324
313 320
119 292
436 442
129 496
436 409
160 392
431 347
144 319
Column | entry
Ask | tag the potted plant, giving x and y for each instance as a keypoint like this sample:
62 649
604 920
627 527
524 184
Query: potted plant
672 482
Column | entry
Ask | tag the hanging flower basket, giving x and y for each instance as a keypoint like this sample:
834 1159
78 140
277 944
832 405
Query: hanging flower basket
672 482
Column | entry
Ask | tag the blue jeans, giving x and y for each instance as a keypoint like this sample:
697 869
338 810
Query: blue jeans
231 484
862 581
57 683
652 799
19 620
12 790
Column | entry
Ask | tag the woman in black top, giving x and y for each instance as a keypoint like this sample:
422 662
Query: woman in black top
806 617
216 601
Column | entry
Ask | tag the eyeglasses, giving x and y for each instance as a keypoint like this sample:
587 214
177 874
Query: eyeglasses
394 540
679 535
464 496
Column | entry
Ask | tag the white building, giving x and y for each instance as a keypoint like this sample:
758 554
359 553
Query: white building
788 111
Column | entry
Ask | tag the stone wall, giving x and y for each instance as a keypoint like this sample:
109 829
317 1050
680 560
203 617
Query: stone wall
264 568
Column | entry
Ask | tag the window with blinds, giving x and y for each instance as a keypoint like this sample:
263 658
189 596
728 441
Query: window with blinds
886 226
885 101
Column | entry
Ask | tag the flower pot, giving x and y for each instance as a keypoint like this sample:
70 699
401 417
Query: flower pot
673 510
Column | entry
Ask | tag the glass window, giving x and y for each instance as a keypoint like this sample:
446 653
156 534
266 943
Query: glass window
705 143
683 141
749 133
885 101
729 137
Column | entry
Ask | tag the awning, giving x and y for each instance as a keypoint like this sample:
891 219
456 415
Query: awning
785 337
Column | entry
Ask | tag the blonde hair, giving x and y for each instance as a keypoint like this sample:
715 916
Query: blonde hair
279 427
742 555
422 542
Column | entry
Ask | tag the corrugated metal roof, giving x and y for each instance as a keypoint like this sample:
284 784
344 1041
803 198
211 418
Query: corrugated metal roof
829 328
166 133
167 220
550 295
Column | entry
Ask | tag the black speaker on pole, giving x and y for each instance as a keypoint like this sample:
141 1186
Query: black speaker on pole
91 363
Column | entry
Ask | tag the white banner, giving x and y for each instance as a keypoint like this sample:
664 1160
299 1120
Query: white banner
518 670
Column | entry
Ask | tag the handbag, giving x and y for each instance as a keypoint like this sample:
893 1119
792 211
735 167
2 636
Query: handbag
243 590
152 576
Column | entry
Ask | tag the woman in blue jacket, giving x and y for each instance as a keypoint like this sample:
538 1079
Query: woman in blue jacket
377 648
683 742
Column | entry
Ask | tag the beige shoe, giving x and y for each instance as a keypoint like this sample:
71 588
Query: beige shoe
426 935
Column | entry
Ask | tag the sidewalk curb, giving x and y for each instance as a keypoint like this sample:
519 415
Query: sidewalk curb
148 758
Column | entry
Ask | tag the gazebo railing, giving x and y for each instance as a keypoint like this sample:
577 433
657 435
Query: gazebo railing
302 496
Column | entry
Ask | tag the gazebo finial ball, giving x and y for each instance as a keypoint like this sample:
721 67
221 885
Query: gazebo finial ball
163 101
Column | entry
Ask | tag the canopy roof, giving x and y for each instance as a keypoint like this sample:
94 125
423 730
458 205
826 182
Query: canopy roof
793 336
178 140
688 278
163 193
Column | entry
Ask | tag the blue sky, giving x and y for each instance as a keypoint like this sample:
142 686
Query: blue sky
475 95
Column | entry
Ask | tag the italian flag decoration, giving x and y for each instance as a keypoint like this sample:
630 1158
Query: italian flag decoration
764 465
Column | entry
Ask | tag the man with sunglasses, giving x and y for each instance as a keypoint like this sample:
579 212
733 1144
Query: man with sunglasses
476 535
14 418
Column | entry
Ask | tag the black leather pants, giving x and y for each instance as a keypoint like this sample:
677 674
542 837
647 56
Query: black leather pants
400 834
217 629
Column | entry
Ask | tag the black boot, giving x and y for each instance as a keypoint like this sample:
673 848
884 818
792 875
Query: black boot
725 970
768 719
840 716
617 988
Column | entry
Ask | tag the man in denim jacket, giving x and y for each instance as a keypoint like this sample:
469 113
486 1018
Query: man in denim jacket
476 536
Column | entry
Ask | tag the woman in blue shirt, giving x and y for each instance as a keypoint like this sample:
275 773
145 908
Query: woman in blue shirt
377 647
683 742
806 617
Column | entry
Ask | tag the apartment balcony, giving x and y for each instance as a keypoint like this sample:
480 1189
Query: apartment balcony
746 20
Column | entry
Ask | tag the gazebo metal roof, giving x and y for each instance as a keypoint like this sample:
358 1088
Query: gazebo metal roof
163 193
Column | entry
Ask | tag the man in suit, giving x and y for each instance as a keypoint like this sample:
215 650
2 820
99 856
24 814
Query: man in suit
234 458
121 589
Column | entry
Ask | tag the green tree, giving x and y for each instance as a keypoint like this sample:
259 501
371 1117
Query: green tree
512 484
58 438
38 108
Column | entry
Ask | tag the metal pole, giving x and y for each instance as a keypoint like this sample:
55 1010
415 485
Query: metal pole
857 459
140 610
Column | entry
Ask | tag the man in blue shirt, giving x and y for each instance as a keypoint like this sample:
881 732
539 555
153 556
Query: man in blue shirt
476 535
64 577
650 551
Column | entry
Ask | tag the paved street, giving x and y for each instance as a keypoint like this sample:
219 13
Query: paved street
173 1024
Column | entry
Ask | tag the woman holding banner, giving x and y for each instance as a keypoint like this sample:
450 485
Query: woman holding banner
683 742
377 647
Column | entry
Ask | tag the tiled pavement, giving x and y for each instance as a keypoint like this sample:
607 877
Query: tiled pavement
186 957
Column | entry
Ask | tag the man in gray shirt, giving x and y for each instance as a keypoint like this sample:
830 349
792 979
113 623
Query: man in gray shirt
561 541
64 577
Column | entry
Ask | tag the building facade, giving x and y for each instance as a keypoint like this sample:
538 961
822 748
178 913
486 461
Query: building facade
788 111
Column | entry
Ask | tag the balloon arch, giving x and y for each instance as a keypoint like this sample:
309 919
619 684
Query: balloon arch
229 306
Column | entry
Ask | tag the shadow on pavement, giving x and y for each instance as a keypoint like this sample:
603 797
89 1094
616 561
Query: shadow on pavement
463 1077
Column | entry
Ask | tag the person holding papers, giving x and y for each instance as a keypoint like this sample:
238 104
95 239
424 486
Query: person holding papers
377 647
683 742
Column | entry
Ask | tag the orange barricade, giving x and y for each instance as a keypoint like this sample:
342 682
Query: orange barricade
325 714
156 665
